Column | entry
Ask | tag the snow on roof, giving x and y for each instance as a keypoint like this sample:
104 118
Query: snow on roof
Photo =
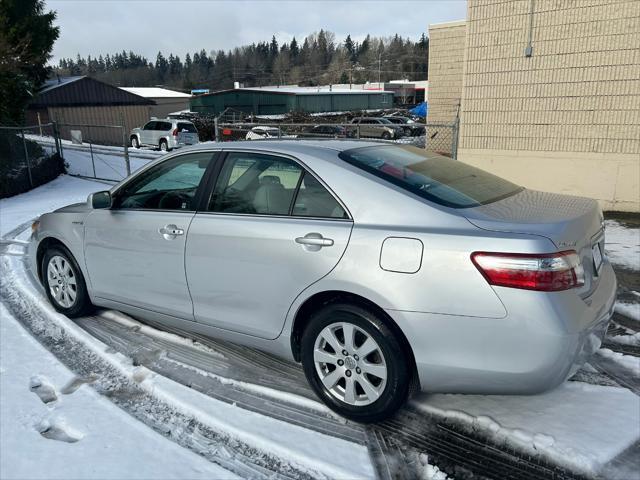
58 82
155 92
320 90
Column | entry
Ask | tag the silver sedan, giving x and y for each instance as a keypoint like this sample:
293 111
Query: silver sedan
383 269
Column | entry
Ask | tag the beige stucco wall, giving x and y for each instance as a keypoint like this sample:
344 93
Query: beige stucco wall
446 61
566 119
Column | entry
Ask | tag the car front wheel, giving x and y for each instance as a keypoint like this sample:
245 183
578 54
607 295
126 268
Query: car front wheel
134 142
64 283
355 363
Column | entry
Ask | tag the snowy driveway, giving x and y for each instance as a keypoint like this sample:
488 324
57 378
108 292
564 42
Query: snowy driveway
224 413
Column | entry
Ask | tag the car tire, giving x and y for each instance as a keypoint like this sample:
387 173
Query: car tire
386 135
134 142
64 282
164 146
367 389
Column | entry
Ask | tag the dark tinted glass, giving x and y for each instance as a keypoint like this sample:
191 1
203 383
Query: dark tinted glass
187 127
437 178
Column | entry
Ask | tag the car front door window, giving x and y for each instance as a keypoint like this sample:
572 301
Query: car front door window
171 185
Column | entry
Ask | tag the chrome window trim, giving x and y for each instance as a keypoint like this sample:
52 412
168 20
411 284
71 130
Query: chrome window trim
271 215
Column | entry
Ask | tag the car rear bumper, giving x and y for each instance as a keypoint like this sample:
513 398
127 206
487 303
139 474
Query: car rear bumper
544 339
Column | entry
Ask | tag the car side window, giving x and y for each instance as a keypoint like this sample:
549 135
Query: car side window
149 126
314 200
170 185
256 184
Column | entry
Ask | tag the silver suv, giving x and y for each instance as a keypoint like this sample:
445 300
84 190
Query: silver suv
165 134
372 127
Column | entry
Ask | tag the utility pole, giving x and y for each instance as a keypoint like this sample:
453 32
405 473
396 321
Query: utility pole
379 60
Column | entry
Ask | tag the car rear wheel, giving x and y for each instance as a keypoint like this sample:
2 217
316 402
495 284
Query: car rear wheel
134 142
164 147
64 283
355 363
386 135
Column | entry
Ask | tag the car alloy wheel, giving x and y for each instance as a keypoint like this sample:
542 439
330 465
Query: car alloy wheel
350 364
62 283
355 362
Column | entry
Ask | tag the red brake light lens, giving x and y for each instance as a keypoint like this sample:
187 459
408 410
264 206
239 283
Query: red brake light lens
175 132
551 272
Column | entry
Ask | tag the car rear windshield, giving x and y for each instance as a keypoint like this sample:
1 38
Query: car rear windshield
431 176
187 127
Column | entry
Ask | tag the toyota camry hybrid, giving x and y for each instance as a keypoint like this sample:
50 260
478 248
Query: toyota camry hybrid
383 269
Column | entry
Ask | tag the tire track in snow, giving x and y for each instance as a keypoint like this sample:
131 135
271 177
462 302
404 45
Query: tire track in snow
621 375
391 444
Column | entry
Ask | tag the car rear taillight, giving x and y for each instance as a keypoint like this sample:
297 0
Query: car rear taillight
175 132
545 272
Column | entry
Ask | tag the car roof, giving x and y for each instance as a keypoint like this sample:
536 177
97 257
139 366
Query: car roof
289 146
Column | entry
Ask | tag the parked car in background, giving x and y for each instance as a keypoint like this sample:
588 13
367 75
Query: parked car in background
262 131
164 134
372 127
379 267
329 131
410 127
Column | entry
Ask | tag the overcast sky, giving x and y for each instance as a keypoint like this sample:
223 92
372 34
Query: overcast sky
93 27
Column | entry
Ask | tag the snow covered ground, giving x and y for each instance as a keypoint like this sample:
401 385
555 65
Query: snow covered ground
572 424
62 191
82 434
54 426
622 245
99 161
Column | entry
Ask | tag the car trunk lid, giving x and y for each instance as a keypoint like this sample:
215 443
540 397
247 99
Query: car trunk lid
571 223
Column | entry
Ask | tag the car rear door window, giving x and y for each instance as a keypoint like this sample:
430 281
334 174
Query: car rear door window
253 183
431 176
314 200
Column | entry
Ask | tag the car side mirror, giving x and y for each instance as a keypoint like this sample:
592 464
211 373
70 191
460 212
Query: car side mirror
100 200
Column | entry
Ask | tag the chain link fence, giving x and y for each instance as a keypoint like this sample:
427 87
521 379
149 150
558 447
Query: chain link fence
438 137
96 151
25 163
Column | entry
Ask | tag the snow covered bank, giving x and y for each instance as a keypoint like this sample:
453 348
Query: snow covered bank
80 435
579 425
108 161
629 362
622 245
629 310
62 191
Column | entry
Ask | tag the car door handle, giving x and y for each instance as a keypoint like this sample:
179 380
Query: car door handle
170 231
315 240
